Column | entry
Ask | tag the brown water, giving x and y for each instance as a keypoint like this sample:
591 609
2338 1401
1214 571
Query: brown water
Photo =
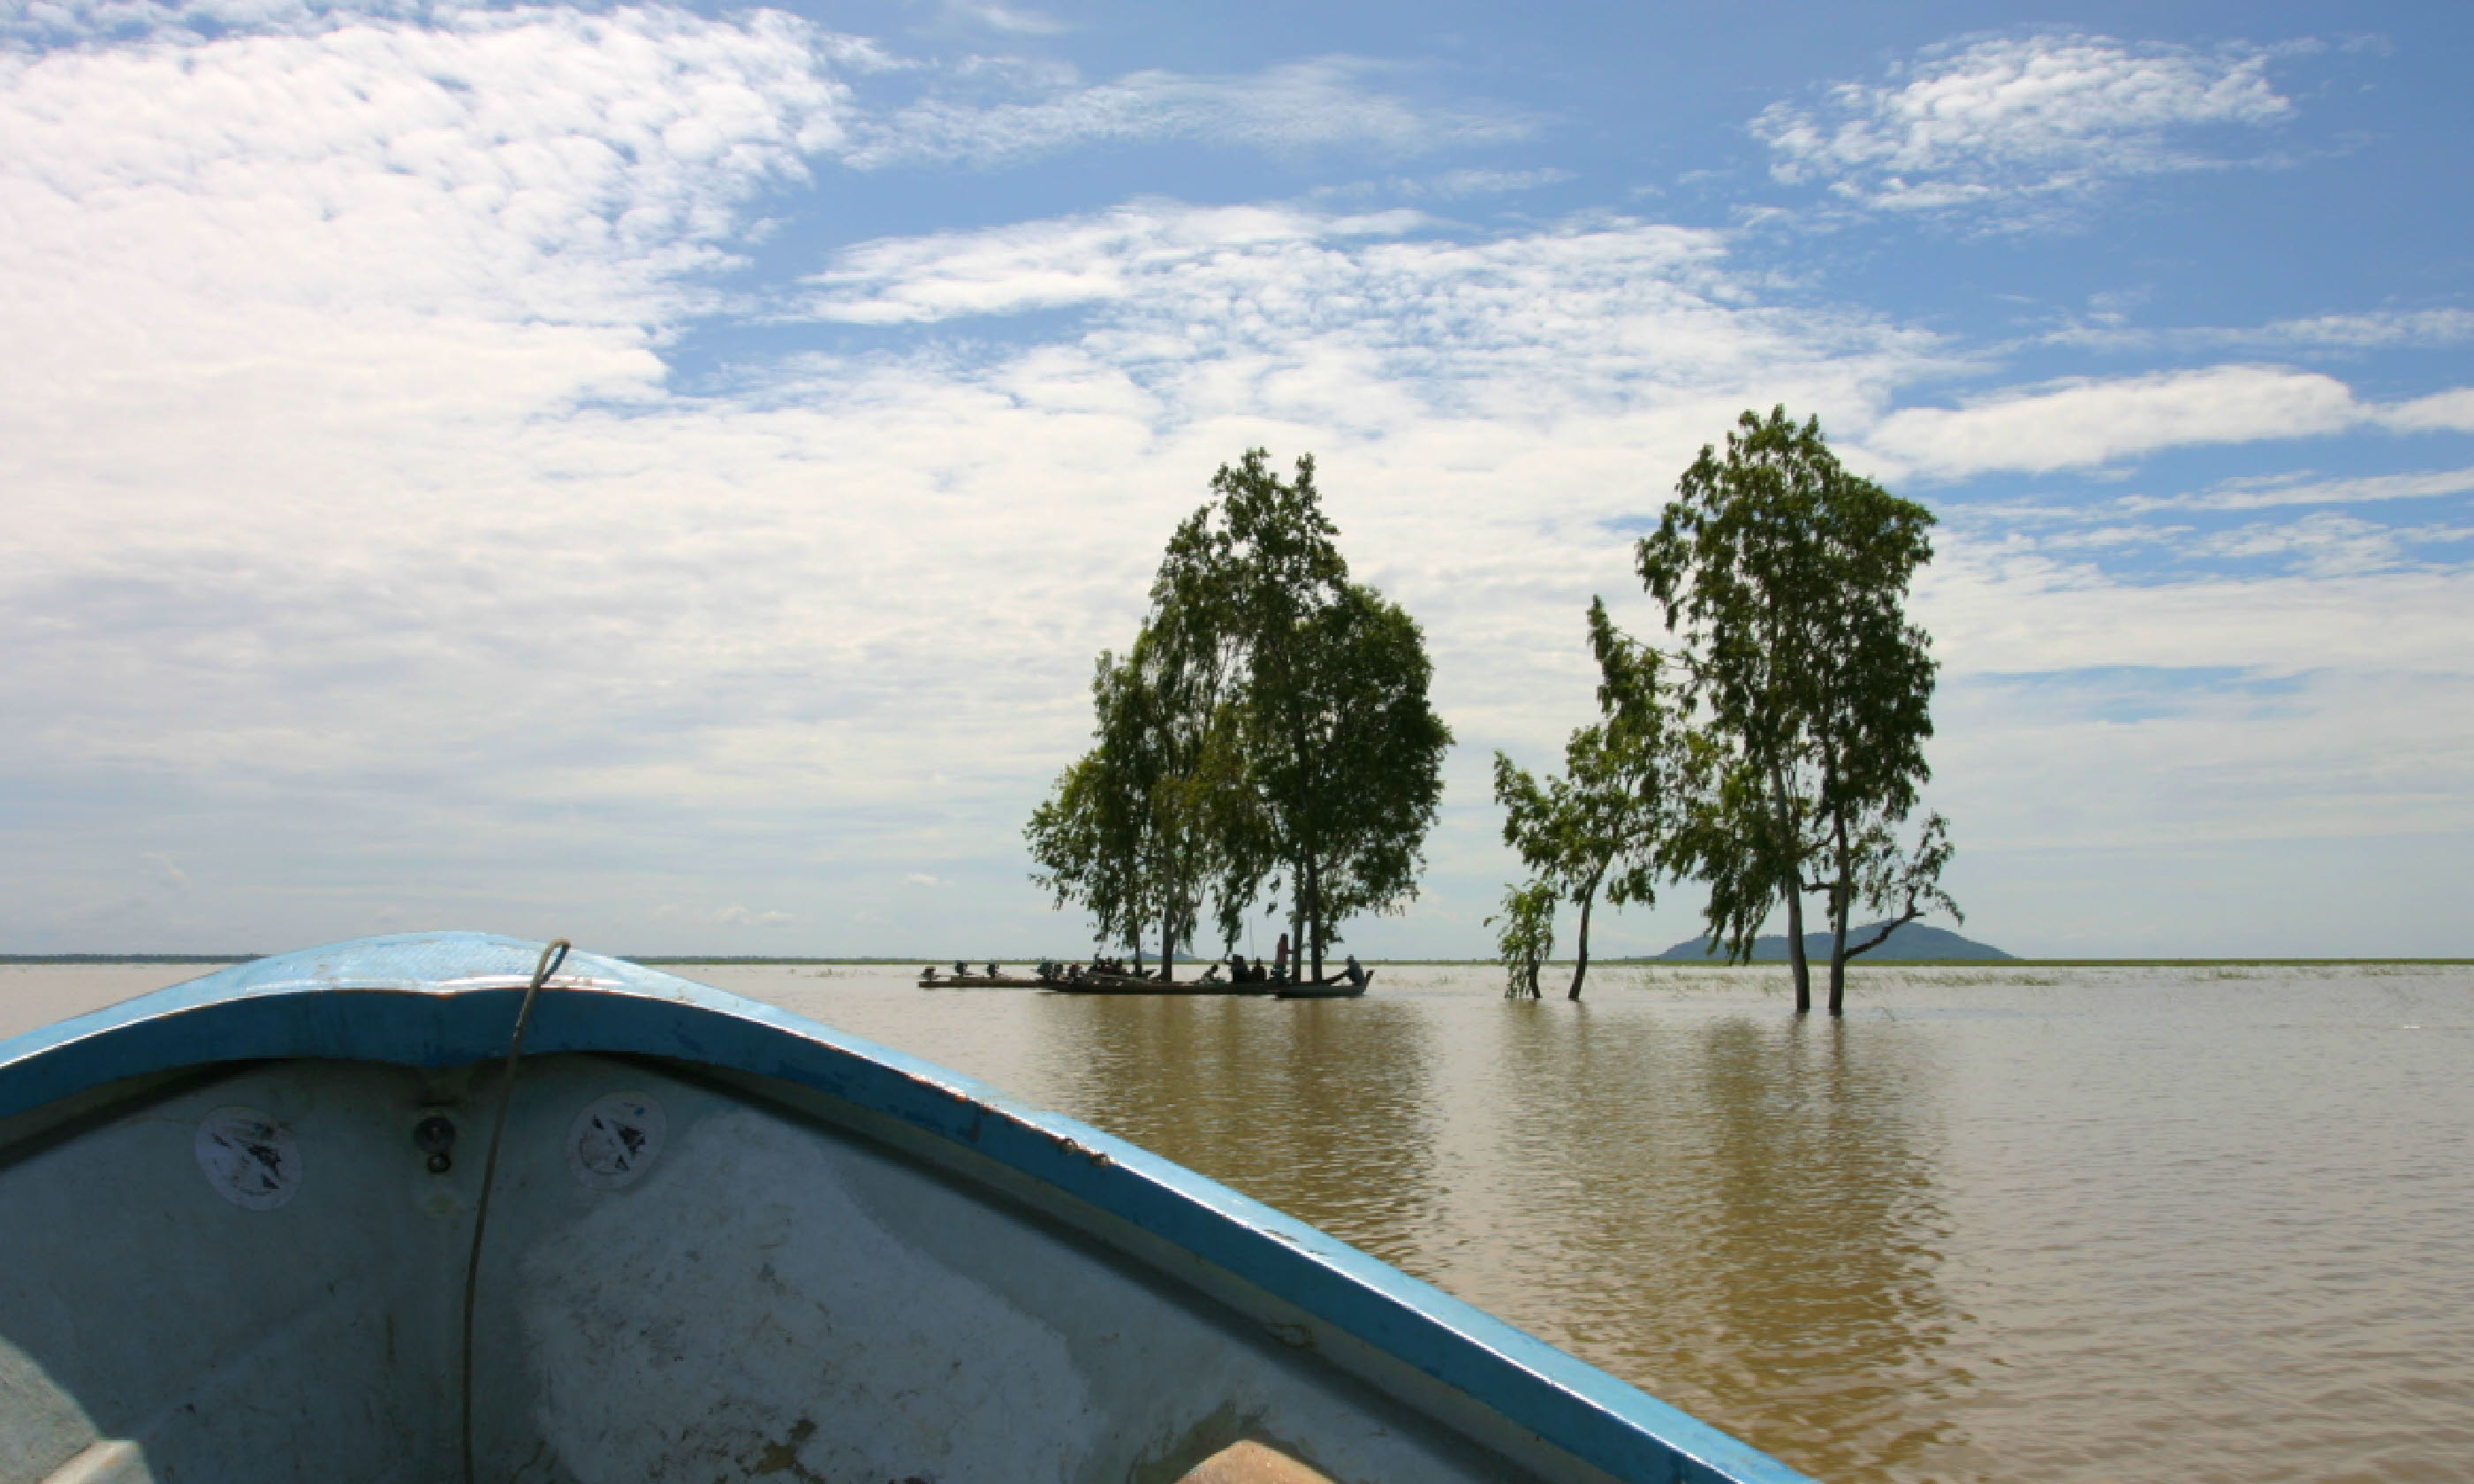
2051 1225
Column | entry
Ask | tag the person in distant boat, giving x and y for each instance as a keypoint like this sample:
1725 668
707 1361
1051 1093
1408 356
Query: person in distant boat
1238 973
960 968
1210 975
1355 972
929 972
1281 959
992 971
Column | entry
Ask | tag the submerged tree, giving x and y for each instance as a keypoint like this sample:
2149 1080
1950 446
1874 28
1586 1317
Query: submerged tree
1525 938
1341 754
1270 728
1787 579
1607 822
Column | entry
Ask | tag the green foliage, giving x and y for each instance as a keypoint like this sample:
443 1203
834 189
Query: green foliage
1526 937
1605 823
1342 752
1786 577
1271 724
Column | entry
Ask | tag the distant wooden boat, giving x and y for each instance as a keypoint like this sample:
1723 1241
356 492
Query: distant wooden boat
1335 987
982 982
433 1208
1129 984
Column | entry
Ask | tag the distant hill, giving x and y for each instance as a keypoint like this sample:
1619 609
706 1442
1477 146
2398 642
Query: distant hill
1915 941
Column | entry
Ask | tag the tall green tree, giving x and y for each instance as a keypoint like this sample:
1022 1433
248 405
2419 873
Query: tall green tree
1342 754
1609 819
1130 830
1786 577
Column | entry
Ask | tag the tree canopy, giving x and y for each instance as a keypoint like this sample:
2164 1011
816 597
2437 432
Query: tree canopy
1786 578
1276 717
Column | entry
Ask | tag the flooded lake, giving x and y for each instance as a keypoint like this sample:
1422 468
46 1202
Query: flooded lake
2058 1225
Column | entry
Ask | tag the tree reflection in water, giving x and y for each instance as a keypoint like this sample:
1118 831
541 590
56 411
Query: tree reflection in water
1739 1214
1324 1111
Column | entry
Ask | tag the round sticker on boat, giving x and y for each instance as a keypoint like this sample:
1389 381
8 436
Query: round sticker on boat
614 1140
251 1159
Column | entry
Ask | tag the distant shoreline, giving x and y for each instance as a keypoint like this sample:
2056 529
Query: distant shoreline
72 960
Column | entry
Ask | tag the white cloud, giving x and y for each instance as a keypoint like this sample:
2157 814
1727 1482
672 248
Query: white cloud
736 916
2328 544
2079 422
2377 329
2303 490
546 166
2082 422
1998 123
1012 21
1455 184
1046 265
2450 411
1289 108
1357 315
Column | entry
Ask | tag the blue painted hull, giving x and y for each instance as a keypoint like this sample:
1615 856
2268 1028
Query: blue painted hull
726 1242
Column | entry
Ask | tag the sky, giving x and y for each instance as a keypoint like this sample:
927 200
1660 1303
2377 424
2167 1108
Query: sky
662 476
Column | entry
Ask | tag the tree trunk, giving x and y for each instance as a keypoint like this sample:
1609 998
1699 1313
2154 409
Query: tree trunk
1838 963
1842 904
1795 944
1297 921
1798 964
1588 900
1168 948
1314 917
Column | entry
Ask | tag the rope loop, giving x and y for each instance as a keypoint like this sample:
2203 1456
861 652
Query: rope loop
552 955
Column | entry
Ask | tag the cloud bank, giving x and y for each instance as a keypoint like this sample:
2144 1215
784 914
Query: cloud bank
2006 123
2085 421
1289 108
370 561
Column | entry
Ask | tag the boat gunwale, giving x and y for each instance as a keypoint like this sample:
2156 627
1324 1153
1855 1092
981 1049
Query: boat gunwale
339 1003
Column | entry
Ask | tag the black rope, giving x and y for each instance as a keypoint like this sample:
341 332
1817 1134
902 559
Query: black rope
552 955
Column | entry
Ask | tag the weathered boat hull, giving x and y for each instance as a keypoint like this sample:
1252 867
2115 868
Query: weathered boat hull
1128 984
982 982
1337 989
723 1242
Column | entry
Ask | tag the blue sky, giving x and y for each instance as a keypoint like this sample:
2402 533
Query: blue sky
660 475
